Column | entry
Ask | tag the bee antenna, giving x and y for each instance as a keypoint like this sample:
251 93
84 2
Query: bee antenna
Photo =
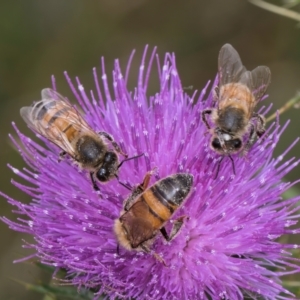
123 184
232 162
118 248
129 158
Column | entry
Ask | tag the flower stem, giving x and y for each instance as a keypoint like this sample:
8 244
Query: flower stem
276 9
291 103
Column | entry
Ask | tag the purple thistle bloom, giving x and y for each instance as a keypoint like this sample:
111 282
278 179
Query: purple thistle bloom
227 249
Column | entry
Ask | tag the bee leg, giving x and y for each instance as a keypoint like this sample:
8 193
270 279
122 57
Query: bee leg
95 186
62 154
216 93
203 114
176 227
257 129
113 142
260 127
250 141
147 177
139 189
159 258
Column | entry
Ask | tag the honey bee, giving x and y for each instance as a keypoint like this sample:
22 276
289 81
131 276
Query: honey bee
237 95
148 209
55 119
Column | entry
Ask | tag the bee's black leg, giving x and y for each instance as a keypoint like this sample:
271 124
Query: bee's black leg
113 142
260 127
203 114
62 154
176 227
250 141
95 186
257 130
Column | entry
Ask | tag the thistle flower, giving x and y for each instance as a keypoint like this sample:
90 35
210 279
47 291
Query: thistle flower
228 247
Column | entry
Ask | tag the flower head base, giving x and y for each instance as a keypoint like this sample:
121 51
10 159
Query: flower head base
226 248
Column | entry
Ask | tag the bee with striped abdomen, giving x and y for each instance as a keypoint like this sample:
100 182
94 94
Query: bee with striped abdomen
148 209
58 121
237 95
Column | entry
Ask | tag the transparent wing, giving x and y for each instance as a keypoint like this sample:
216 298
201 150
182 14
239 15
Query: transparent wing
261 78
51 117
257 81
230 67
49 94
231 70
25 113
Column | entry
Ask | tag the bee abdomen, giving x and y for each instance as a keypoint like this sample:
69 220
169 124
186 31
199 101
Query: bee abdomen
166 195
59 113
173 189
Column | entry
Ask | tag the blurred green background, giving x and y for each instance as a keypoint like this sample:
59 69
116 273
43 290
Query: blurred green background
41 38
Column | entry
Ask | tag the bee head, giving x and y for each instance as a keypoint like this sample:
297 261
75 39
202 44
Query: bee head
227 146
108 168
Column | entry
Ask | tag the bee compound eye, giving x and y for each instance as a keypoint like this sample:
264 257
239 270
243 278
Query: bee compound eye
237 143
216 143
102 175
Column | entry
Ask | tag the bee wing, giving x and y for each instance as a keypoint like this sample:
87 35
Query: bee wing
261 78
257 81
35 118
25 113
230 67
49 94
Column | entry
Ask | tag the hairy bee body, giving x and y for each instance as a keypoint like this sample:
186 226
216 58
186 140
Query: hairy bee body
58 121
234 109
146 213
237 95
